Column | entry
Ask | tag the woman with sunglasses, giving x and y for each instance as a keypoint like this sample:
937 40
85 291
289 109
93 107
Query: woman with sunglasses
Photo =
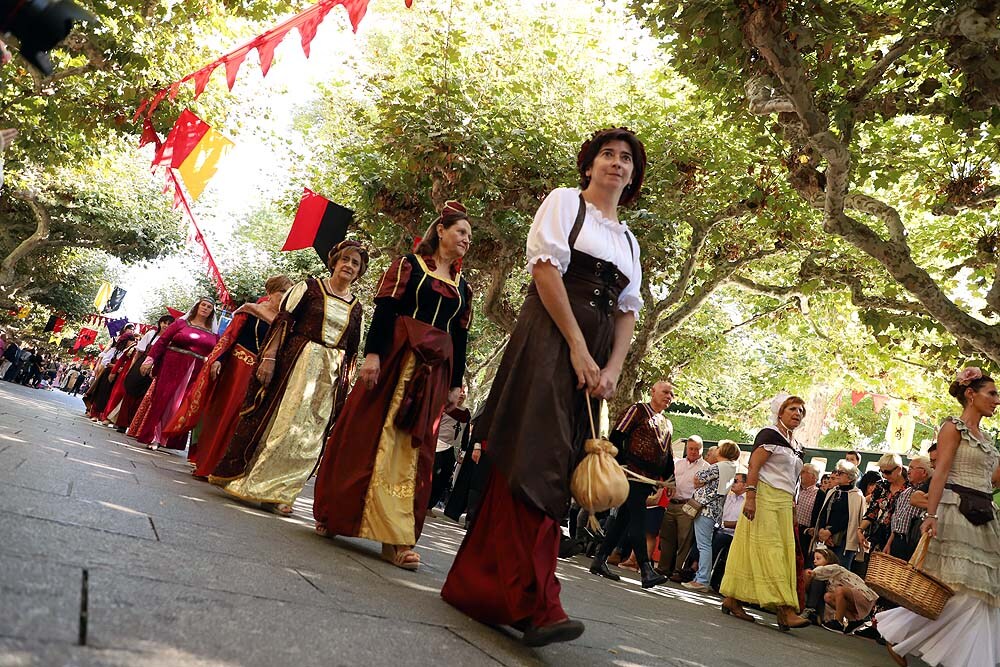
761 565
876 526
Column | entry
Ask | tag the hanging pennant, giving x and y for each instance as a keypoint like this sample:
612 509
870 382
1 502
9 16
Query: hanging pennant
165 157
103 294
84 338
899 431
115 301
265 43
115 326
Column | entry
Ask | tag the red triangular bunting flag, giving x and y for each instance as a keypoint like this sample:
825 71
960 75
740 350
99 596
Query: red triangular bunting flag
356 11
140 109
175 88
879 401
149 135
307 30
857 397
155 103
233 66
174 312
265 51
201 78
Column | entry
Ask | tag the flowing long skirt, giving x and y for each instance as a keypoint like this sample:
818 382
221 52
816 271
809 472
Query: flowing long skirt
167 393
291 443
375 478
222 414
117 391
97 397
505 570
761 564
966 634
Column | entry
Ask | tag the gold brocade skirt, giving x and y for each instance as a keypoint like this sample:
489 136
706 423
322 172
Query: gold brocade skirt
388 511
760 568
294 437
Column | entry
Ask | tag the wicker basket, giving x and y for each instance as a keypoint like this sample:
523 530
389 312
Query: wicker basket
905 584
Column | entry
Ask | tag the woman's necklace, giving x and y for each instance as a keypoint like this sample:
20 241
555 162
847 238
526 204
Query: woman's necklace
346 294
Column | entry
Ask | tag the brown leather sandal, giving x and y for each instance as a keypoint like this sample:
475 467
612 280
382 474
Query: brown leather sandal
402 557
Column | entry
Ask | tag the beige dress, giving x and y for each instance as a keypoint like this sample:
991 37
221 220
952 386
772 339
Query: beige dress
964 556
967 558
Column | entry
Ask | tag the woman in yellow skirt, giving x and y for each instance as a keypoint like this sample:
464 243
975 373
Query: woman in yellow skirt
761 565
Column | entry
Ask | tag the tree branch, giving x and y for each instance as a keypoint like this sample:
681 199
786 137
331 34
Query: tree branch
766 34
780 306
874 75
43 223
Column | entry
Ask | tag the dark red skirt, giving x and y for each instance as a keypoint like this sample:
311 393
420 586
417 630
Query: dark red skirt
222 414
505 570
348 463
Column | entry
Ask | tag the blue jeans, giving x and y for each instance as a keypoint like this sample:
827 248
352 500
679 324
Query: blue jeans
704 529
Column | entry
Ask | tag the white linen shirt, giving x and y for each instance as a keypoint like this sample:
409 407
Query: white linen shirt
731 511
548 240
684 472
108 356
146 340
782 468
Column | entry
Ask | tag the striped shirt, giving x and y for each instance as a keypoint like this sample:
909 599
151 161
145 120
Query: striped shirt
804 505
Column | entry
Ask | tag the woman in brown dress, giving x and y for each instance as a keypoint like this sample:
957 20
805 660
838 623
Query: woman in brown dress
568 347
301 381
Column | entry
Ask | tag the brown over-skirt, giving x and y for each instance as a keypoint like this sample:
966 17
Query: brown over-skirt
535 421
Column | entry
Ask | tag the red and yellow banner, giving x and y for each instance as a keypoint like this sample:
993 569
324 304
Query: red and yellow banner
194 149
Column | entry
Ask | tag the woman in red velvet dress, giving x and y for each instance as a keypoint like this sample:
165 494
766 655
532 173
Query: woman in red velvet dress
375 477
174 362
572 334
135 384
218 392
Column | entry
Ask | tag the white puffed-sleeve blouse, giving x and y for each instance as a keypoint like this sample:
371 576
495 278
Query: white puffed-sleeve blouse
548 240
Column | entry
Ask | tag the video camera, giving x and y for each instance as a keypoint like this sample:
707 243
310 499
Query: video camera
40 25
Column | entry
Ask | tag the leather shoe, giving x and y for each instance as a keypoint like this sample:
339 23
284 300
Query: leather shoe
677 578
650 577
565 631
600 568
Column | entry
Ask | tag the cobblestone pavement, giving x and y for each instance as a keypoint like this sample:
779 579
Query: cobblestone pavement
114 555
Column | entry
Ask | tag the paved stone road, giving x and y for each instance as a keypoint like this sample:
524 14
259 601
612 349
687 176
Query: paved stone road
113 555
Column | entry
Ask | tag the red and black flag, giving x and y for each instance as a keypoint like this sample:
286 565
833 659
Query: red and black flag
319 223
55 324
84 338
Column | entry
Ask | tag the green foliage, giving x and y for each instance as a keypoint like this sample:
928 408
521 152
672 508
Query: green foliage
687 424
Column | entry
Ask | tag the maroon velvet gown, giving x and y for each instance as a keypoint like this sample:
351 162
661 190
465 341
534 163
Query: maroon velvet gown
420 331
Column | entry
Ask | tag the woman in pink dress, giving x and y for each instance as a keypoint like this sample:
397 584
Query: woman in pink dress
174 360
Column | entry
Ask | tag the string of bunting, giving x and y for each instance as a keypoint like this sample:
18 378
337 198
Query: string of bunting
306 23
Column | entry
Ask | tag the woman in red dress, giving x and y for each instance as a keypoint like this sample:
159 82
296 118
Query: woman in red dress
134 383
572 334
375 477
218 392
174 362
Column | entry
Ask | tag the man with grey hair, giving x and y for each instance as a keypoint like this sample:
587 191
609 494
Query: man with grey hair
804 503
676 531
906 517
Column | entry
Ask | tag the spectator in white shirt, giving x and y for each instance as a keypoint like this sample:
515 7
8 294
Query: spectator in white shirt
727 527
676 532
